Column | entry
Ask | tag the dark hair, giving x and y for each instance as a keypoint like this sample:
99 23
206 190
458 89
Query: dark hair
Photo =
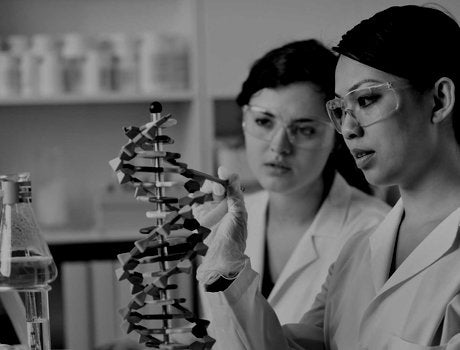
297 62
418 43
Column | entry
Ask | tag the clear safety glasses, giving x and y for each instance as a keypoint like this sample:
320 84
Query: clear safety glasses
307 133
366 106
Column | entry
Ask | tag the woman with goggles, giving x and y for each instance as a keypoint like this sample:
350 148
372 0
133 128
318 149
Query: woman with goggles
397 286
306 209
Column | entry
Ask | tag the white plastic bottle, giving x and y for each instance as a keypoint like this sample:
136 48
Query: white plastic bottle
151 57
49 74
7 75
96 77
16 46
74 51
179 62
29 65
124 63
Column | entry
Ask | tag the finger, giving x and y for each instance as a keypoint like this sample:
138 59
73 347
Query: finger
218 191
207 187
235 197
215 215
224 173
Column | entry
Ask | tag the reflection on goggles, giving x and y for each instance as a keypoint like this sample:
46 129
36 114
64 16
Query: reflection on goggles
366 106
305 133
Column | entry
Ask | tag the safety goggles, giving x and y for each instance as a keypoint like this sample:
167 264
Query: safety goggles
306 133
366 106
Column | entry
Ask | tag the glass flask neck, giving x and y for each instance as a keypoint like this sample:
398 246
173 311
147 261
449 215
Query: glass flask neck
16 188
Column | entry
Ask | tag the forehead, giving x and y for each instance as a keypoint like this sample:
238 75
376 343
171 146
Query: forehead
291 101
351 74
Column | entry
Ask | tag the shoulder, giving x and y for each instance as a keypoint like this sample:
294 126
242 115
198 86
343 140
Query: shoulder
361 210
357 242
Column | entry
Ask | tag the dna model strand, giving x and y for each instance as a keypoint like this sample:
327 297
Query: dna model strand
161 249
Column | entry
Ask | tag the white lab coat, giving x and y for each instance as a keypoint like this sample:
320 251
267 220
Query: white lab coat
344 212
417 308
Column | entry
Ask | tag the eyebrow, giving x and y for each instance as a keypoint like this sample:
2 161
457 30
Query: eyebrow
358 84
272 115
306 119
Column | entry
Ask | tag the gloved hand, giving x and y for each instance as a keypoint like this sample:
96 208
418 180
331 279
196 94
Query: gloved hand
226 216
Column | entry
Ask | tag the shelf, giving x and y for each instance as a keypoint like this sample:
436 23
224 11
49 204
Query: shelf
66 237
173 96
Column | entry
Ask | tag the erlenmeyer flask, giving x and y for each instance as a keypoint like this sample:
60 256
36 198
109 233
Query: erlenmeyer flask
26 264
25 259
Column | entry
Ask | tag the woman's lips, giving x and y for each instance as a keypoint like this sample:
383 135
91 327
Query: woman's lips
362 157
277 168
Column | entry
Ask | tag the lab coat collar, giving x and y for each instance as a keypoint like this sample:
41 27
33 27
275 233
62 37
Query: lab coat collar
433 247
331 215
382 243
256 229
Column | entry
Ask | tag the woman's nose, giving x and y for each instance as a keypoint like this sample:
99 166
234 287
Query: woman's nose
351 127
280 142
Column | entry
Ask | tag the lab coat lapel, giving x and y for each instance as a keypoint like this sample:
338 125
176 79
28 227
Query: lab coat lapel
434 246
381 245
330 216
304 254
255 245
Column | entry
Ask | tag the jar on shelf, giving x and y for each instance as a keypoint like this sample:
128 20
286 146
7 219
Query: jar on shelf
124 63
49 70
74 50
28 73
96 77
16 46
26 64
179 65
149 68
163 62
9 77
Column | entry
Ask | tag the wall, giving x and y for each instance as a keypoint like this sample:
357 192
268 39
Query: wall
239 31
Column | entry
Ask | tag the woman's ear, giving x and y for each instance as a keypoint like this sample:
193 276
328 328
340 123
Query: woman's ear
444 99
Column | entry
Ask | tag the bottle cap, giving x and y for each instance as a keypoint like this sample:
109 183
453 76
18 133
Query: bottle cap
42 44
74 45
16 188
18 44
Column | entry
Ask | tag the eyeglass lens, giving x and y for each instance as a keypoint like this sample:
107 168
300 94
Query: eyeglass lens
366 106
302 133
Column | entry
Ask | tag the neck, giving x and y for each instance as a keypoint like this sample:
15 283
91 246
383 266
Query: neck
435 195
297 207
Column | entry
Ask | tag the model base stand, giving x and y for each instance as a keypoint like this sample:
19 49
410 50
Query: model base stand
173 240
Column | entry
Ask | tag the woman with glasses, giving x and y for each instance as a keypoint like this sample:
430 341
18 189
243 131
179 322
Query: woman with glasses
307 209
398 286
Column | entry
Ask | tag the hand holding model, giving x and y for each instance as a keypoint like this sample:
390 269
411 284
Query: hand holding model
227 217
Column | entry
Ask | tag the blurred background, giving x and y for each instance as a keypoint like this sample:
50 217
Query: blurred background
74 72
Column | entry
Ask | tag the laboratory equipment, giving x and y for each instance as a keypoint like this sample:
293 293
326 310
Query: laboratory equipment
26 264
171 243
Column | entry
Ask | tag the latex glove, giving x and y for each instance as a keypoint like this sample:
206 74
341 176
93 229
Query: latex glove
227 218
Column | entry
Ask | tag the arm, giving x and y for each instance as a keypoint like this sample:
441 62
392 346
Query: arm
243 319
451 327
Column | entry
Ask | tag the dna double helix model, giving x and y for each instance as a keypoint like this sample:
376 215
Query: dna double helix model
171 243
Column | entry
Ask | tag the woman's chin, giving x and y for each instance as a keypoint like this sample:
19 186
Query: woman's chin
377 178
275 184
